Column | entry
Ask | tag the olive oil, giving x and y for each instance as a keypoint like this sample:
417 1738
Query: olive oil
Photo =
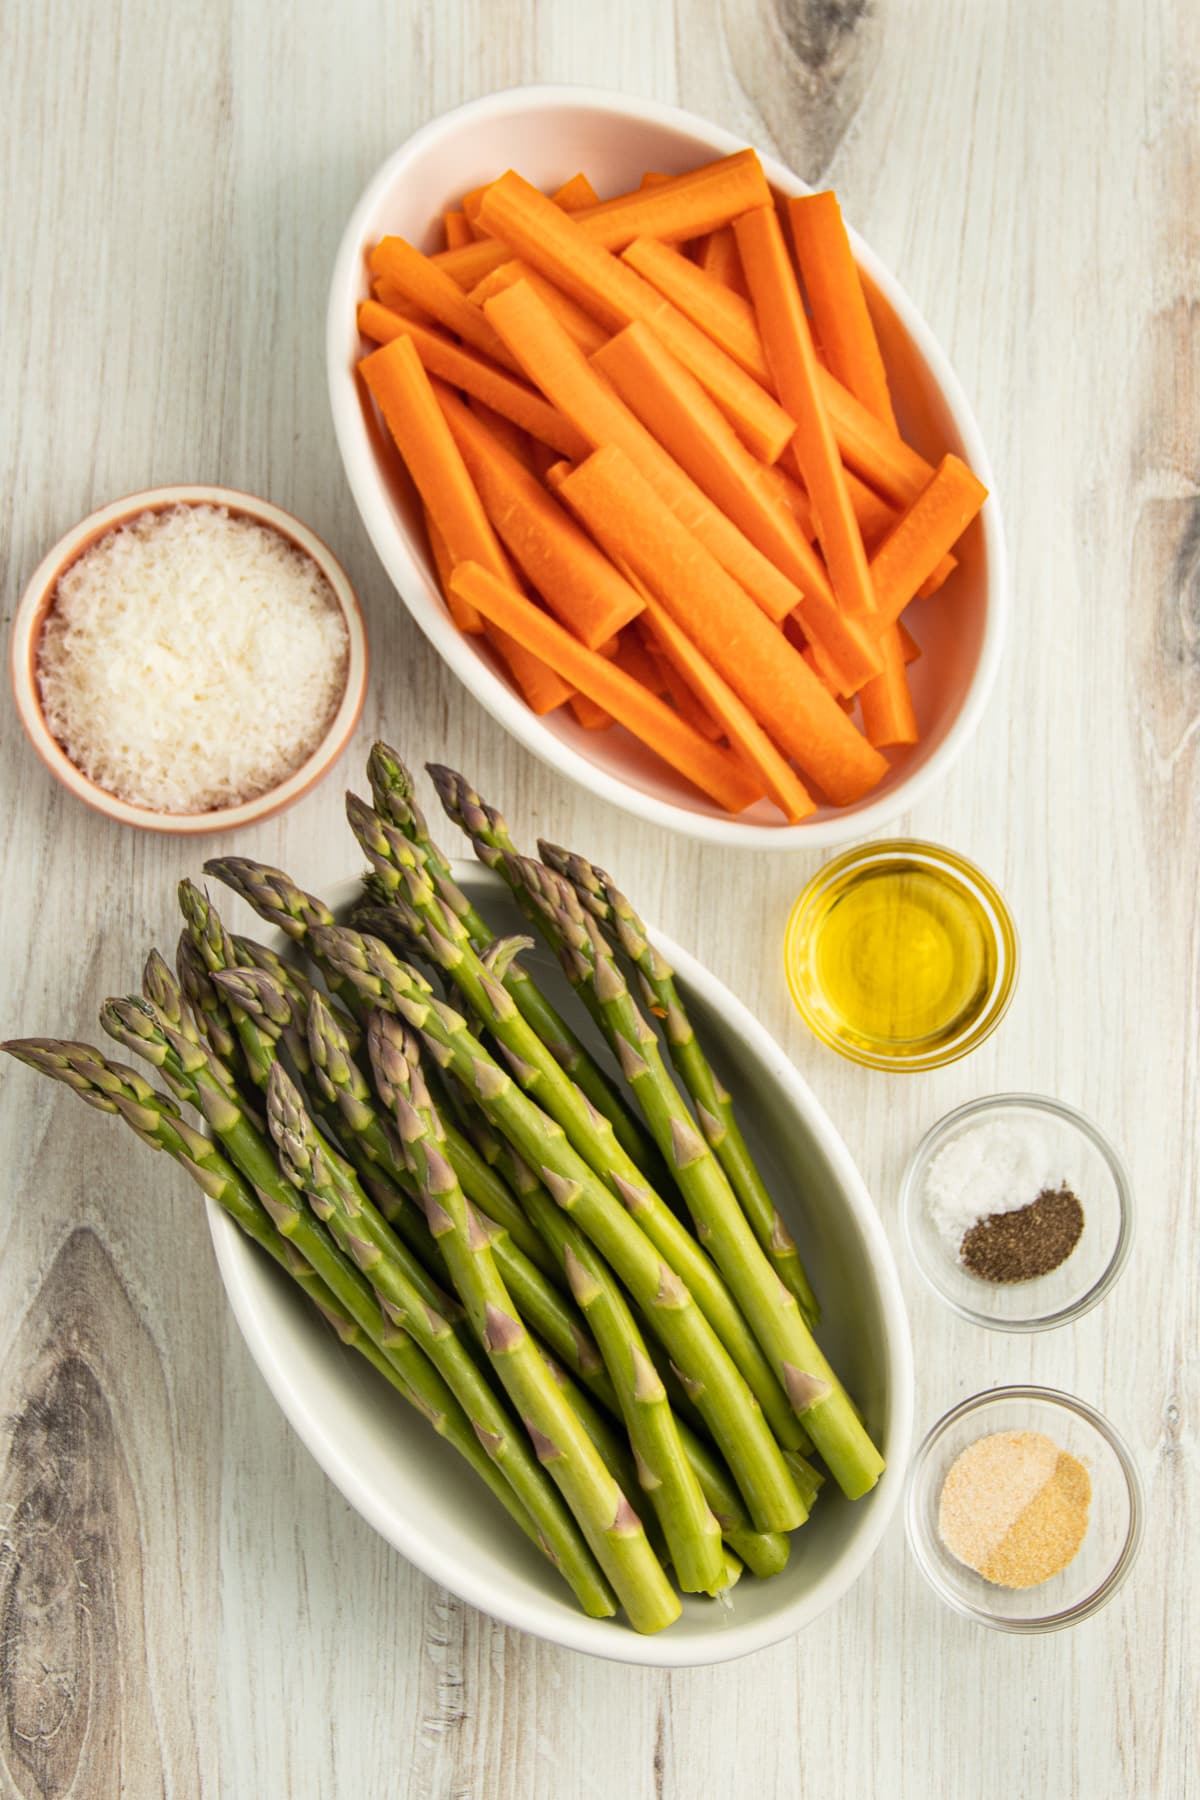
894 955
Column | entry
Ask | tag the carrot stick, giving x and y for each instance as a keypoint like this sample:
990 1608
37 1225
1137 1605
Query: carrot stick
390 296
625 515
713 770
877 454
470 206
718 256
876 517
682 208
476 376
921 537
575 579
652 178
542 689
841 321
458 230
518 443
589 715
583 396
682 697
632 656
421 282
542 459
606 287
744 732
673 406
887 708
576 193
788 343
579 325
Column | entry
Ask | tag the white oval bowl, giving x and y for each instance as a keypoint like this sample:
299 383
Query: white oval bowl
419 1495
549 133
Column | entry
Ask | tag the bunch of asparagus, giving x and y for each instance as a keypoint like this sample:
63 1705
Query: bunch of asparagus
580 1281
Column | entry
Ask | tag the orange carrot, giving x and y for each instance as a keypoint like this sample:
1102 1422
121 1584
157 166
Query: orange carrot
841 321
583 396
743 731
589 715
390 296
576 193
652 178
575 579
681 208
542 689
458 230
682 697
673 406
632 656
713 770
625 515
518 443
788 343
579 325
422 283
887 708
921 536
470 204
606 287
876 517
476 376
718 257
877 454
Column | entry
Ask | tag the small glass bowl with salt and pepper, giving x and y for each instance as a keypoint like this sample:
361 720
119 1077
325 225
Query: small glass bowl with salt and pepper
1024 1509
1017 1212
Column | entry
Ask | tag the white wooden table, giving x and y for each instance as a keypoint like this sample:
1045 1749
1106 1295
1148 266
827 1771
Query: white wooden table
187 1605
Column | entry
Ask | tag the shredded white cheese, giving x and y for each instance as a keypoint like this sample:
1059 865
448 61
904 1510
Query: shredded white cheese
191 660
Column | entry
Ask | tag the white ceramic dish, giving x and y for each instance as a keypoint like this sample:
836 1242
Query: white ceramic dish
549 133
34 607
417 1493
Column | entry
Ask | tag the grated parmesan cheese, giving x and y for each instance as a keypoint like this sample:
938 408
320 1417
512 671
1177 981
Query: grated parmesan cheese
191 660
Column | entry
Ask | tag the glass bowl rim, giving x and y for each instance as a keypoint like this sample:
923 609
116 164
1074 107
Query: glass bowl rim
1117 1575
1006 935
1113 1268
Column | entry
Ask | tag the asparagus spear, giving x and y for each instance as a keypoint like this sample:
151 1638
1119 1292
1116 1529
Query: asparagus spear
276 898
392 791
706 1368
444 940
353 1314
207 1005
714 1107
612 1527
765 1553
664 1473
811 1384
338 1081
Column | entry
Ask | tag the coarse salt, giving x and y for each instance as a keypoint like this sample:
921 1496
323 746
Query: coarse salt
992 1167
191 660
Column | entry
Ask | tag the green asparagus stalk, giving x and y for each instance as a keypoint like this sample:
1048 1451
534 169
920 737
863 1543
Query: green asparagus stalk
337 1080
395 802
664 1473
599 894
209 1009
327 1182
609 1522
764 1553
214 947
705 1367
253 955
351 1310
443 938
276 898
812 1386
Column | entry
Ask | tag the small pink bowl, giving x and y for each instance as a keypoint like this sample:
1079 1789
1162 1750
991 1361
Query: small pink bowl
35 605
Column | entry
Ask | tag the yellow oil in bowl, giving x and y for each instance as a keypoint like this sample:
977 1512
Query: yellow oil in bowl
901 955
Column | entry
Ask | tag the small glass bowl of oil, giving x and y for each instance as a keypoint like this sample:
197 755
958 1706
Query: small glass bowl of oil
901 955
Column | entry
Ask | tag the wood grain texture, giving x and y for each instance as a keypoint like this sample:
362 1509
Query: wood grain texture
188 1607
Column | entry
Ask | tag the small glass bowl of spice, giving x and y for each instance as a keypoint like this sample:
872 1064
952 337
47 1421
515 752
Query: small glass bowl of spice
901 955
1017 1211
1024 1509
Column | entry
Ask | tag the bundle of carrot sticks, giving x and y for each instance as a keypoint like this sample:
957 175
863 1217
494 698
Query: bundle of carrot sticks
661 471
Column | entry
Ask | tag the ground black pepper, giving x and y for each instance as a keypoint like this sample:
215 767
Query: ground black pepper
1025 1243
